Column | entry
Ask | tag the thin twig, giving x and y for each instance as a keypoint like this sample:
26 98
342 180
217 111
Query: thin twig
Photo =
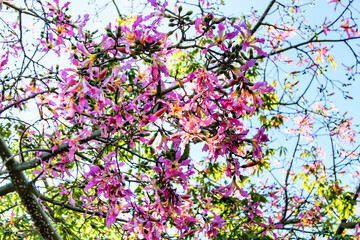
258 24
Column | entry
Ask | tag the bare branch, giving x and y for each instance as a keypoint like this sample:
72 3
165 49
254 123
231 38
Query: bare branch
258 24
23 100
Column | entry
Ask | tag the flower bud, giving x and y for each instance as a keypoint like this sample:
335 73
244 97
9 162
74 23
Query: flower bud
160 112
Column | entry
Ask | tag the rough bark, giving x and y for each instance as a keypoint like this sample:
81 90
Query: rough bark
28 199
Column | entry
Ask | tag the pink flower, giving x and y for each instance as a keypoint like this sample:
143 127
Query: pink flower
231 188
56 9
252 208
90 57
357 232
325 28
259 138
321 54
216 223
158 67
3 61
336 3
270 227
221 36
349 29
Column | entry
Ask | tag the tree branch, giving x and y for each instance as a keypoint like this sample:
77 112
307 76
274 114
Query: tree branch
305 43
71 207
8 188
349 225
258 24
117 9
286 181
23 100
26 11
46 156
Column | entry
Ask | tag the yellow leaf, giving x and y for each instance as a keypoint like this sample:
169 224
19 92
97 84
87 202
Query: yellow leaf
333 63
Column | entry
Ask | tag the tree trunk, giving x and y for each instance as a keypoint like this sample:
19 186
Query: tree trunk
28 199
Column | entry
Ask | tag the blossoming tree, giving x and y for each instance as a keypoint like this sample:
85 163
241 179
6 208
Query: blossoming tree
175 123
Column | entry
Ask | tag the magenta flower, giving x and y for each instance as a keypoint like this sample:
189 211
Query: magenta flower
357 232
253 209
270 227
259 138
350 31
89 61
336 3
